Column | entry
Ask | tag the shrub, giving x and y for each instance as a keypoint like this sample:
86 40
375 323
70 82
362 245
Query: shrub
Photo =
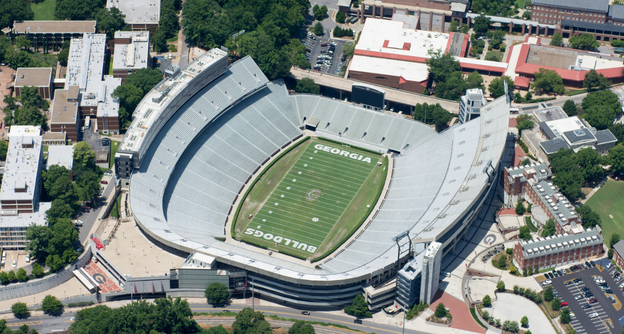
487 301
340 17
500 286
516 289
485 315
549 294
440 311
555 304
509 251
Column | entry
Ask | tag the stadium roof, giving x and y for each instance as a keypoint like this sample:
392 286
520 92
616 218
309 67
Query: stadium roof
181 196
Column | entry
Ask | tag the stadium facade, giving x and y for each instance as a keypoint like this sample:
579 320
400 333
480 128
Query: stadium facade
197 139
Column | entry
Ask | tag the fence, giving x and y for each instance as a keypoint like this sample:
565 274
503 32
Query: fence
32 287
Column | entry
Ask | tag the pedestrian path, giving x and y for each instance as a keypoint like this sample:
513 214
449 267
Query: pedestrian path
106 284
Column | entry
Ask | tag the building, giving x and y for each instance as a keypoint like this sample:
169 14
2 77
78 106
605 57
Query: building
61 155
85 69
140 14
40 77
618 253
431 15
52 34
54 138
65 115
131 53
431 272
558 250
232 115
409 281
21 184
574 133
470 105
515 180
405 52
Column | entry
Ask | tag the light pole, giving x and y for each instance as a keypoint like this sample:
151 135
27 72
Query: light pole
253 286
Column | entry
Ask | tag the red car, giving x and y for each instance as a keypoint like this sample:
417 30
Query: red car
104 182
593 300
564 304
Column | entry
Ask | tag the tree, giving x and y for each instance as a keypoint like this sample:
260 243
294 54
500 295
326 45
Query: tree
307 85
249 321
475 80
145 79
318 29
556 39
511 326
615 238
549 228
601 108
500 286
570 108
520 209
217 294
63 235
21 275
19 309
14 10
84 156
595 79
59 210
129 98
22 42
616 155
525 233
487 301
109 21
555 304
440 311
497 86
441 66
359 308
159 39
464 28
38 238
51 304
454 27
301 327
432 114
77 9
548 81
502 261
452 87
524 122
565 316
4 278
584 41
349 49
481 24
549 294
217 330
37 270
341 17
618 131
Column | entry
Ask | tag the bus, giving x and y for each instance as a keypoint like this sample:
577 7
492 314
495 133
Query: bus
87 122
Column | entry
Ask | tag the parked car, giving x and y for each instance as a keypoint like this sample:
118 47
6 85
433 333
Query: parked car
588 264
547 282
578 297
593 300
586 306
305 313
14 263
564 304
577 280
569 283
589 294
593 315
357 321
608 265
79 223
585 289
560 272
609 291
103 182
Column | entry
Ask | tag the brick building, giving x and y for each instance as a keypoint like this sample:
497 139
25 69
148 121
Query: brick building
618 253
65 114
140 14
40 77
131 53
51 34
560 249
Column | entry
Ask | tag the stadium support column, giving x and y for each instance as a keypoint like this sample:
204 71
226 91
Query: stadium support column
523 28
511 27
430 20
431 272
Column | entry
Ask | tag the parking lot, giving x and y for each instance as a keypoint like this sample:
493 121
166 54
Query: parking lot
324 55
586 290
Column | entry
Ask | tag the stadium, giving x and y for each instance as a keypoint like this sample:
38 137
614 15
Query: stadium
203 137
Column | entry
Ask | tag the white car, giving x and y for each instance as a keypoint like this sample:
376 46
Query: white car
547 282
14 263
27 258
572 315
578 297
593 315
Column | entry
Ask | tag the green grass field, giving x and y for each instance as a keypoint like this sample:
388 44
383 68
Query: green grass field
311 200
114 146
609 200
44 11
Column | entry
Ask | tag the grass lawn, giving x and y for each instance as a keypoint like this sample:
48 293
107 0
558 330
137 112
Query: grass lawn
172 39
609 200
114 148
519 4
494 55
310 201
110 65
529 223
49 59
44 11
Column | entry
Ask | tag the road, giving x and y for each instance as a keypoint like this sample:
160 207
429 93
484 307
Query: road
46 324
559 102
90 217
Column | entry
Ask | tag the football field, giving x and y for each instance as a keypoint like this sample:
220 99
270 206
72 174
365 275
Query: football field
311 198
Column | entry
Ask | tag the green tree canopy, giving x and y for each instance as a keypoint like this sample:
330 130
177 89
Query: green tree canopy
77 9
432 114
548 81
20 310
524 122
51 304
441 66
359 308
618 131
454 27
21 275
217 294
500 286
549 228
481 23
595 79
109 21
556 39
570 108
601 108
38 237
475 80
555 304
341 17
14 10
37 270
301 327
549 295
307 85
584 41
590 218
440 311
520 209
497 86
249 321
616 155
487 301
525 233
565 316
318 29
348 49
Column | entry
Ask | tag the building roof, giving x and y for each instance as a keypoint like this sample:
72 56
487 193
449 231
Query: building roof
32 27
85 63
554 145
616 11
10 218
579 137
539 171
33 76
63 111
549 113
604 136
110 106
131 56
138 11
62 155
54 136
22 163
597 5
402 15
522 82
561 242
409 71
558 127
558 205
619 248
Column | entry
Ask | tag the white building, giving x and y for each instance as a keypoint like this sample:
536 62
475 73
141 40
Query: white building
140 14
131 53
62 155
431 272
470 105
